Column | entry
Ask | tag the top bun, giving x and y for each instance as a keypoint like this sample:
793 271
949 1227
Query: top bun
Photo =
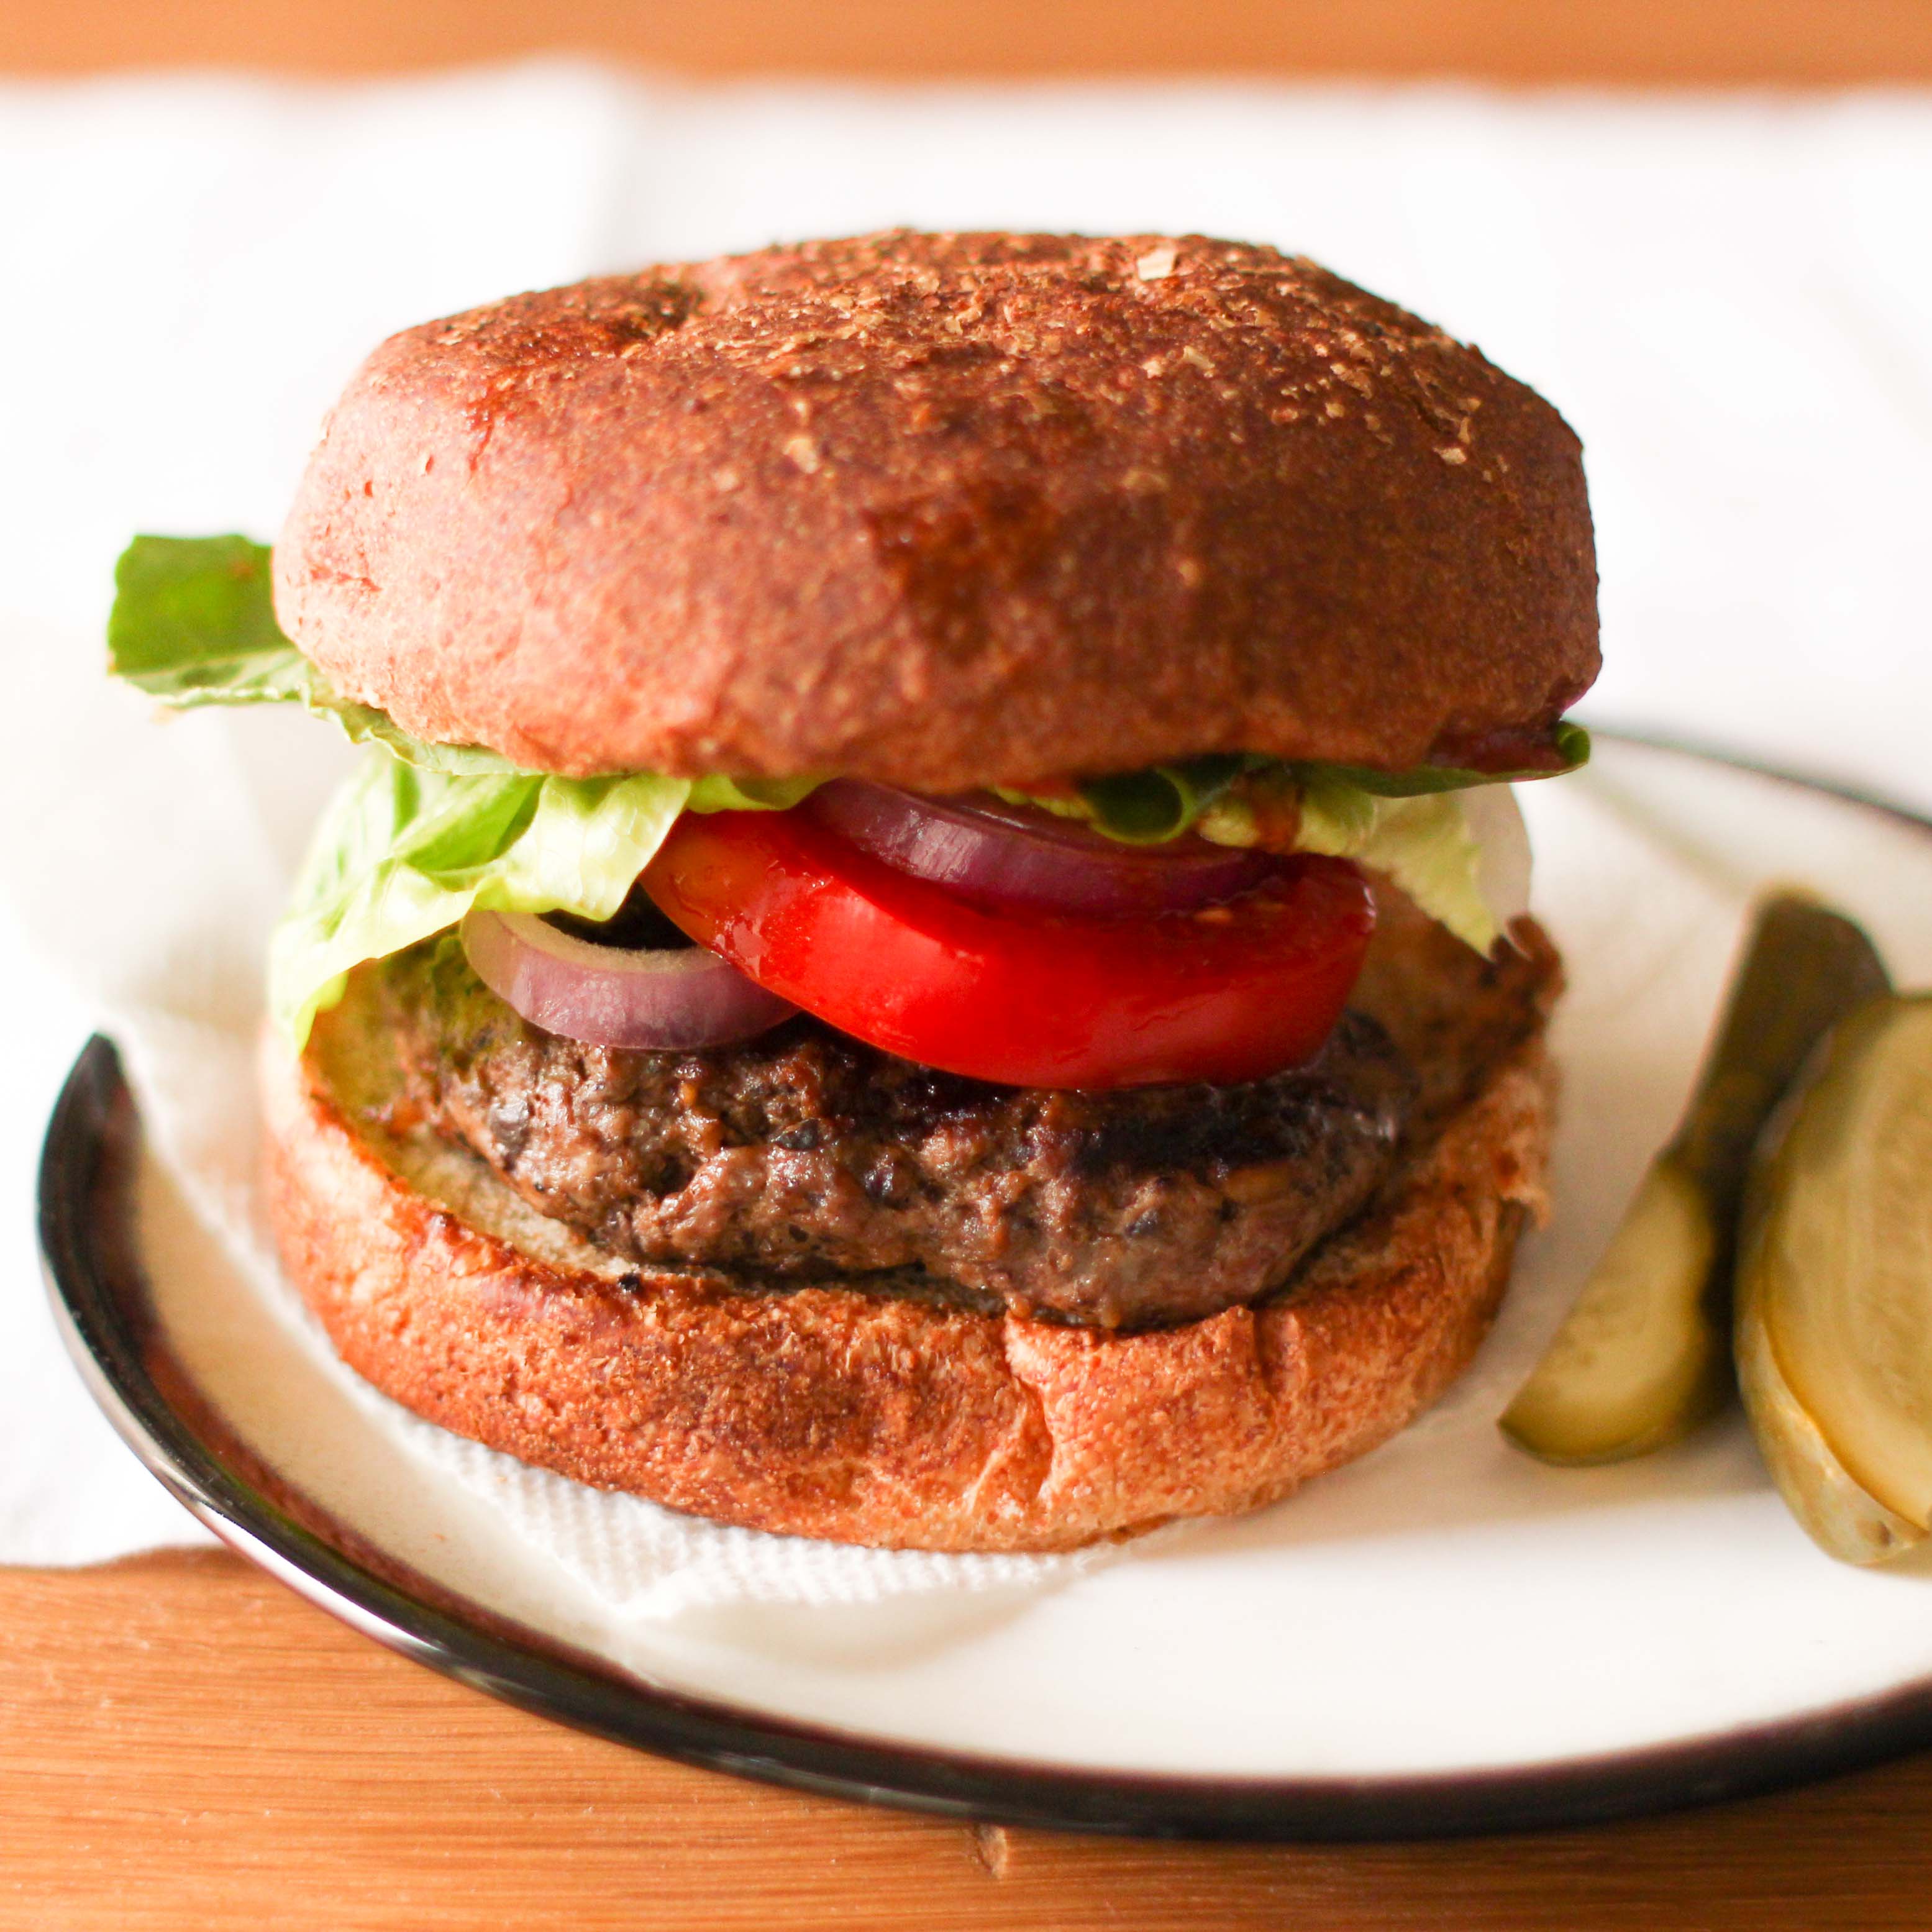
943 511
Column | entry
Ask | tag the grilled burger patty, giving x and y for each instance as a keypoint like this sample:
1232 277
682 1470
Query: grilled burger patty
806 1154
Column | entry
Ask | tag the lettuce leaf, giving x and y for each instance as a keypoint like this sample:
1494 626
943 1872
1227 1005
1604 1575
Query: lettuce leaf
1572 744
193 623
418 836
1150 807
1424 842
403 853
1409 826
426 832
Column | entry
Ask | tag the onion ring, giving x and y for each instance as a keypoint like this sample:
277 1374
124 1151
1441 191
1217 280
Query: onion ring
664 999
997 855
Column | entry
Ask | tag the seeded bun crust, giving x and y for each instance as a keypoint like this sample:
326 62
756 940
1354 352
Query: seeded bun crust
944 511
833 1412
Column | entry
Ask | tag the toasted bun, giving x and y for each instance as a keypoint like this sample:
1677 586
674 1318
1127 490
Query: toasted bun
943 511
832 1412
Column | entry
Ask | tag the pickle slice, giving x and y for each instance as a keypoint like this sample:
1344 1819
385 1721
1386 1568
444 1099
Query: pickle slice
1834 1288
1646 1354
1639 1358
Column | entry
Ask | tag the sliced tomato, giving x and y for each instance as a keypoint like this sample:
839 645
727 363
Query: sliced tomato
1034 998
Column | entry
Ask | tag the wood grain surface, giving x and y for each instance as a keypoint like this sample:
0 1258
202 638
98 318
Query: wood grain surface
1675 42
185 1745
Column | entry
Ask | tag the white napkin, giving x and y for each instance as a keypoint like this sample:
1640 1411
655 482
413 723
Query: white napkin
1730 299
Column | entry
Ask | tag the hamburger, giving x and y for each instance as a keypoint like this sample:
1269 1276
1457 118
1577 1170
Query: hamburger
929 946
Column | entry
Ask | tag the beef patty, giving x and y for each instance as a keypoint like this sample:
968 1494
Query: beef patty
806 1154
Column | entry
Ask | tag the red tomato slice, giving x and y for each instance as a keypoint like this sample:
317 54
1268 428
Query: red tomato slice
1032 998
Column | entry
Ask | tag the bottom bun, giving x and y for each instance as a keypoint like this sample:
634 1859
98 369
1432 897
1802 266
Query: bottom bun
897 1420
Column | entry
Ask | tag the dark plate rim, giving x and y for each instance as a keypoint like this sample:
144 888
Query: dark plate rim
99 1294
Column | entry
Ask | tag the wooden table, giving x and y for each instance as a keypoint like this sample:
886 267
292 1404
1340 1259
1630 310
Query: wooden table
1650 42
185 1745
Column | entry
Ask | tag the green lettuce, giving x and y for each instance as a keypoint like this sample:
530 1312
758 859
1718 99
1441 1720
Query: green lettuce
1150 807
1424 842
193 623
1409 826
1571 743
403 853
424 831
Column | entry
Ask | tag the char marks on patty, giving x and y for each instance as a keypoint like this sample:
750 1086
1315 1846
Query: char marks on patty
806 1155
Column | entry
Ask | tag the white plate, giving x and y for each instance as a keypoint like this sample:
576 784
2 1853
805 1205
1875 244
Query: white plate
1445 1636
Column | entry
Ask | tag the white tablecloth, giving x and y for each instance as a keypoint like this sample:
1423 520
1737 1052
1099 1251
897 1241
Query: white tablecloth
1731 299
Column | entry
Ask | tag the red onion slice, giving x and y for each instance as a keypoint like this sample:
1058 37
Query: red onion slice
998 855
671 999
